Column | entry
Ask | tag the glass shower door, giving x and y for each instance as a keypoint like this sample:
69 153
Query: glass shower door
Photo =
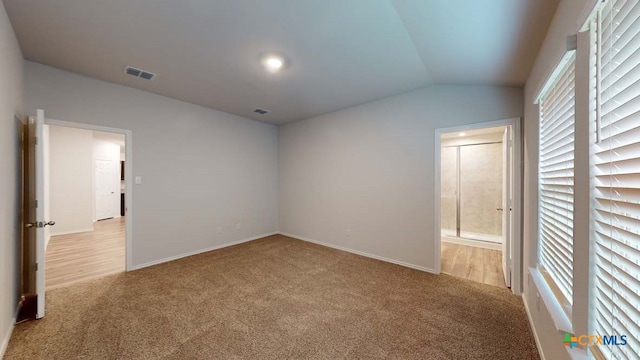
481 192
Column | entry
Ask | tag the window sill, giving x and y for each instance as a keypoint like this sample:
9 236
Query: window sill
577 354
558 315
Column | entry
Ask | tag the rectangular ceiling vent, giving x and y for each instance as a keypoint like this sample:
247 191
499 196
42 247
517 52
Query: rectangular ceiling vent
261 111
130 70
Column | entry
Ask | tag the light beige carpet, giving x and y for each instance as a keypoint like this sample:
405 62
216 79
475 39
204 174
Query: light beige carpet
277 298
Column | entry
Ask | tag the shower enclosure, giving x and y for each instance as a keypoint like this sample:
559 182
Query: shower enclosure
471 192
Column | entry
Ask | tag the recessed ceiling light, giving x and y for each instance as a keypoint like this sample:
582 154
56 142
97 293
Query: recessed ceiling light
273 63
462 134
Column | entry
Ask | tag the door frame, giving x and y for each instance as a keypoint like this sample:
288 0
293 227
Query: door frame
128 201
517 161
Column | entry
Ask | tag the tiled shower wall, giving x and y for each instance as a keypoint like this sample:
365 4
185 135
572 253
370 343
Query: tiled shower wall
480 188
449 166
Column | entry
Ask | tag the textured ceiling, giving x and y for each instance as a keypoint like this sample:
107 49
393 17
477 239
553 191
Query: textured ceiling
339 53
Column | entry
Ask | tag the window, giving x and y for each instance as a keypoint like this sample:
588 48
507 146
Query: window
616 180
555 171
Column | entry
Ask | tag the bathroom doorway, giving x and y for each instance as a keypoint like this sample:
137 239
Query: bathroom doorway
476 202
471 187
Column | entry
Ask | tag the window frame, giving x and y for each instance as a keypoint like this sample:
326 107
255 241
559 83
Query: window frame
568 61
595 241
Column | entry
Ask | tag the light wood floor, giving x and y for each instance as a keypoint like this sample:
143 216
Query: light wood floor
473 263
87 255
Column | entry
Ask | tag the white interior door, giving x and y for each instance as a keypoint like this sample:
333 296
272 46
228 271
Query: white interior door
104 189
507 201
36 204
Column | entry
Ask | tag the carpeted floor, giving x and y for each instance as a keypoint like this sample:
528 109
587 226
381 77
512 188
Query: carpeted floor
277 298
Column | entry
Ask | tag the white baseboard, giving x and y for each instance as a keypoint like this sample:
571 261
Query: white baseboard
71 232
471 242
533 328
196 252
361 253
5 341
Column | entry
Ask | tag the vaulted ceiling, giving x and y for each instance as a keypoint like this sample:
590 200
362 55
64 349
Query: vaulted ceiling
338 53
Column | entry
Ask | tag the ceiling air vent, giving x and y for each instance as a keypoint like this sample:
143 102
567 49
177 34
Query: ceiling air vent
130 70
261 111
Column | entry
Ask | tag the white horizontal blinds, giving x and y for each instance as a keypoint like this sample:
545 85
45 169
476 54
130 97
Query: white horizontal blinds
616 161
557 118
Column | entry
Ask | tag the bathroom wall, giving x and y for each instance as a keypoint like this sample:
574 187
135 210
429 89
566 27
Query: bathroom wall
448 185
481 189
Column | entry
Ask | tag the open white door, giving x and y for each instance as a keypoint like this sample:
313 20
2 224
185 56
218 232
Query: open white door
507 200
36 221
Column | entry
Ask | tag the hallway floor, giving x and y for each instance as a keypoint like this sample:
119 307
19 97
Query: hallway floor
87 255
473 263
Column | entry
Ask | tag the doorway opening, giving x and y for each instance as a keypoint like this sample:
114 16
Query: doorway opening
476 212
39 171
85 194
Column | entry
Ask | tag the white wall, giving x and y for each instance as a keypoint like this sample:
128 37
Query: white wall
11 103
200 168
105 150
567 21
70 180
370 169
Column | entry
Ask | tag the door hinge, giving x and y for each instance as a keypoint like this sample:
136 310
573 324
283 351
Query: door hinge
36 139
36 266
36 203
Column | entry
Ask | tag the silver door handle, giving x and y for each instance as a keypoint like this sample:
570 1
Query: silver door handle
40 224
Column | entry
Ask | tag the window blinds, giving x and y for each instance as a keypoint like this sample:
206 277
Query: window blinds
556 175
616 177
